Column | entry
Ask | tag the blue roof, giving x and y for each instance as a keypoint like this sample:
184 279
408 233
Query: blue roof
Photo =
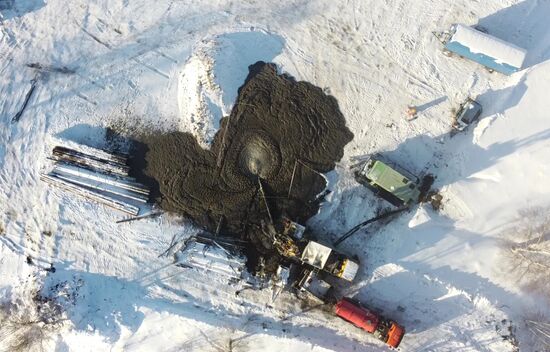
483 59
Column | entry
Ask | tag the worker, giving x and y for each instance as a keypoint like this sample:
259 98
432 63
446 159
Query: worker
411 113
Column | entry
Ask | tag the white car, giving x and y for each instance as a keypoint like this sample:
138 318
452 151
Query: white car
467 114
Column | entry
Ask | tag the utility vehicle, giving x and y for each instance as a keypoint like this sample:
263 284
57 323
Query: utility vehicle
468 113
388 181
384 329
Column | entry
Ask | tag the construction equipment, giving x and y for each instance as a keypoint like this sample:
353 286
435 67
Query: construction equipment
280 281
312 253
384 329
285 245
327 259
310 284
287 238
293 229
388 180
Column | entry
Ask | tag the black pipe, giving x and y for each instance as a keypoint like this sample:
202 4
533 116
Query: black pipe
365 223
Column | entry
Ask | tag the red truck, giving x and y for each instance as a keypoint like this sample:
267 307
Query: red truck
386 330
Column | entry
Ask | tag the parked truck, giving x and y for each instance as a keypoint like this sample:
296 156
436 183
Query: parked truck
388 180
384 329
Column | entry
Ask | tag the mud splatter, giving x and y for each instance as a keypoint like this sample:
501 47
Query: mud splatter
275 122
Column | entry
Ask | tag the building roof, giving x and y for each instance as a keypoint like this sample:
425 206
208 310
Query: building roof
479 42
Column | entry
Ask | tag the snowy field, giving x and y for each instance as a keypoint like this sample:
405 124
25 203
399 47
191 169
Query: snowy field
463 278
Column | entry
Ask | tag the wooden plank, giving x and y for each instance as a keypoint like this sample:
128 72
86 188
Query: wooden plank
91 164
95 154
144 216
90 161
121 158
26 101
292 178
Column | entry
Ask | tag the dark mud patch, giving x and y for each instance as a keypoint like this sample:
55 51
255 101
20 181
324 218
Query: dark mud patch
276 122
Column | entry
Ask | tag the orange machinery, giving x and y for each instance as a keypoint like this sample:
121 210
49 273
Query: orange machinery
386 330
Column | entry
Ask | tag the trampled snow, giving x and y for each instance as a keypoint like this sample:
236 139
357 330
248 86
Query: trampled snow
178 65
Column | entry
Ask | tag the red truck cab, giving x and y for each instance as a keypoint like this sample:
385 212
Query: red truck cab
386 330
395 334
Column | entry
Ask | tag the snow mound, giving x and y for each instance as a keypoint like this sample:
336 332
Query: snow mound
199 99
210 79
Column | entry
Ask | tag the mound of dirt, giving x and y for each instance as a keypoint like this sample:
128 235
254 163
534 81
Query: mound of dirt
276 122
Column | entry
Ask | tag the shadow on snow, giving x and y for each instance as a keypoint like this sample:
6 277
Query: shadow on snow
525 25
16 8
105 303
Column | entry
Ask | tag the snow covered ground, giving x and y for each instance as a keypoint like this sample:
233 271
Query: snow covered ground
446 276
